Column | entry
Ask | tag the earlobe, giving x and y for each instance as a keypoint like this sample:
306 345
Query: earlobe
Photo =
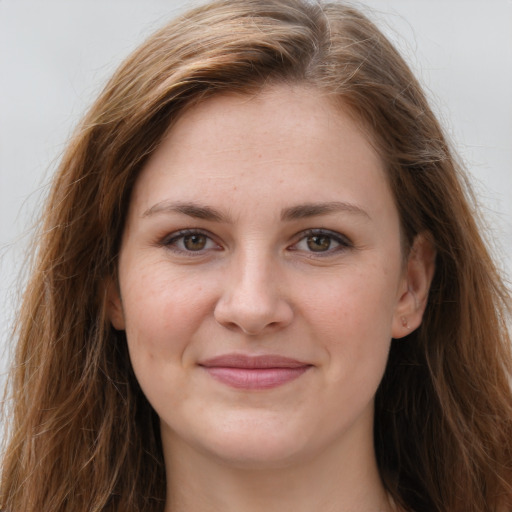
417 278
114 306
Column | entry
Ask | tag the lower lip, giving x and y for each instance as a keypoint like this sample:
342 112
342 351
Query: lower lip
255 378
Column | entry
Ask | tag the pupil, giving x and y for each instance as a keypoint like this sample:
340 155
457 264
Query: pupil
194 242
319 243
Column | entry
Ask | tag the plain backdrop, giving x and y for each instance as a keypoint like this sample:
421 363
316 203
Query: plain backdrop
55 56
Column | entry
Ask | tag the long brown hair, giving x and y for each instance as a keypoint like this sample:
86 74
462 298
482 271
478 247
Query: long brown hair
82 436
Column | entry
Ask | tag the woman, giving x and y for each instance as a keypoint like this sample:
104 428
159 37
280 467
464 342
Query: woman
260 285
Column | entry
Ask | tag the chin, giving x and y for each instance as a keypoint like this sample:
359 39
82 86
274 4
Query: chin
255 455
252 443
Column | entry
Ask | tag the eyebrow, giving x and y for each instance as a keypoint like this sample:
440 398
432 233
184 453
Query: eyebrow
301 211
304 211
191 209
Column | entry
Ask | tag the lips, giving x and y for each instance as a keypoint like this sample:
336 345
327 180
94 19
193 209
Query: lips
254 372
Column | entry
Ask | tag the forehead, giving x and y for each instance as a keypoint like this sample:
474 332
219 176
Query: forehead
281 145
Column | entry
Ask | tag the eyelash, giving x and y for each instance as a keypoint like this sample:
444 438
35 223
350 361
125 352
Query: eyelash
343 243
171 241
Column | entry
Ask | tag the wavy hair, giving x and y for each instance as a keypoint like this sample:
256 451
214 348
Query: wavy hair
83 438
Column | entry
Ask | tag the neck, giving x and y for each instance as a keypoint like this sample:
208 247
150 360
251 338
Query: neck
342 479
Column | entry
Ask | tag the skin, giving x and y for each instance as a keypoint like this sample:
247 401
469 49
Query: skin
249 278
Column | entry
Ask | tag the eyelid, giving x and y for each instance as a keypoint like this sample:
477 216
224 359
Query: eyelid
343 241
170 240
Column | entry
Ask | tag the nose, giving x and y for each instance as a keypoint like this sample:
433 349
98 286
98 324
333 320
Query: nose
253 299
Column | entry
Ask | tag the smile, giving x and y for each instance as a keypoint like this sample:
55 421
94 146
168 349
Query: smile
254 372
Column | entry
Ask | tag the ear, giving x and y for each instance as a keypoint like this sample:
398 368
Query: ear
114 305
414 287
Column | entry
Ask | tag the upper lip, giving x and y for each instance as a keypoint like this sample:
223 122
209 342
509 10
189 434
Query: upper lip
252 362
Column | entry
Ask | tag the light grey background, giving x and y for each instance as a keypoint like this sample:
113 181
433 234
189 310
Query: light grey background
56 55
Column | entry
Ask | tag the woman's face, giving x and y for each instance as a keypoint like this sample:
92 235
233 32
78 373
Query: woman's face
261 280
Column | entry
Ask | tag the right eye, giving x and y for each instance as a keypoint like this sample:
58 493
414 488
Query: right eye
190 241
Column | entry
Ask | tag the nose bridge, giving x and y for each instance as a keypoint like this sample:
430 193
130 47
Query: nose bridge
252 298
253 267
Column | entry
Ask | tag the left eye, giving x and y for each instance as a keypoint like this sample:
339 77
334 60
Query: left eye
190 241
321 242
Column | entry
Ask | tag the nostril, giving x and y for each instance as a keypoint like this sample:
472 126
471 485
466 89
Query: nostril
253 321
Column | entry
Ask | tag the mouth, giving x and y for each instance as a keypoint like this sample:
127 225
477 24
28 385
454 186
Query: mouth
254 372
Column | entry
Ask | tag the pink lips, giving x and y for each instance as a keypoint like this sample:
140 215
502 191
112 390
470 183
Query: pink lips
254 372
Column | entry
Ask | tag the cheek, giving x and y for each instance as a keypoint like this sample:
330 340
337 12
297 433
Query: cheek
351 316
162 317
162 311
360 299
